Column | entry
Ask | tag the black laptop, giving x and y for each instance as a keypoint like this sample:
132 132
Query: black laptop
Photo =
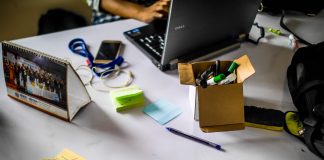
195 29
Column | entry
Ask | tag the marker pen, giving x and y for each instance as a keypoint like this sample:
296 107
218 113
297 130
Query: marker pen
230 78
217 68
202 78
201 82
208 72
231 68
215 79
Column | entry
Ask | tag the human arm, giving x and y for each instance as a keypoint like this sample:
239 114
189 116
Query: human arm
128 9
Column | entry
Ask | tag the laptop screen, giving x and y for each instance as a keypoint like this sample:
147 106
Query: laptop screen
194 29
195 25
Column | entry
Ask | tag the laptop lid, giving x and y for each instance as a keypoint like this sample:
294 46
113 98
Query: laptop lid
196 25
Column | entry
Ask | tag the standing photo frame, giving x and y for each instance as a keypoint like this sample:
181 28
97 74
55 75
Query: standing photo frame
42 81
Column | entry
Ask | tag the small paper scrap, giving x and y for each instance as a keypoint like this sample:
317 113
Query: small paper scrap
66 154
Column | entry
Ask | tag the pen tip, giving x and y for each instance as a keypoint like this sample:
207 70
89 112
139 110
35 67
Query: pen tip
218 147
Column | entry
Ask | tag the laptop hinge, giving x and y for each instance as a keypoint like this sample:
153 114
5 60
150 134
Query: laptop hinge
218 52
174 63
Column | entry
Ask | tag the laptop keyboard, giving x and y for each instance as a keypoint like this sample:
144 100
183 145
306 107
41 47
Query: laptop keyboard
155 43
149 39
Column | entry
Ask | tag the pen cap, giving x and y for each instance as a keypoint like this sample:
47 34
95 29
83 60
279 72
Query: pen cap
219 77
216 79
232 67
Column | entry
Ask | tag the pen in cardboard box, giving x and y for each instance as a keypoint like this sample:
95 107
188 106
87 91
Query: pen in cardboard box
231 68
201 79
229 79
215 79
211 72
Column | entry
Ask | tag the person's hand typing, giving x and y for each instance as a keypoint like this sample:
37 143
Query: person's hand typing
156 10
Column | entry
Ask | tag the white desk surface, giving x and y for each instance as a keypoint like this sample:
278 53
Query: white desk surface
99 132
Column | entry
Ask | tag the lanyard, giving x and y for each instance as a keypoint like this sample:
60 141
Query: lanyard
78 46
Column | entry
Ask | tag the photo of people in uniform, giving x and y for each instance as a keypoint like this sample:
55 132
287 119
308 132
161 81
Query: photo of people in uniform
36 76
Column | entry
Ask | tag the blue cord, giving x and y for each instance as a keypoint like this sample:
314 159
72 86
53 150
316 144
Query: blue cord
79 47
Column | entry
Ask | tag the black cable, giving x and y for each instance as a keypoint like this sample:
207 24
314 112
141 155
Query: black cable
262 34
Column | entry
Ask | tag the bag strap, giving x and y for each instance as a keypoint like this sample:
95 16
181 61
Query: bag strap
309 139
306 87
283 25
309 91
291 84
311 124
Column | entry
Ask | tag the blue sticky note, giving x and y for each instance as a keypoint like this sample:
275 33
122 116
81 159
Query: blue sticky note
162 111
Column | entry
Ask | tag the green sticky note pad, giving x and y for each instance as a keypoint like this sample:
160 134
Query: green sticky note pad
127 98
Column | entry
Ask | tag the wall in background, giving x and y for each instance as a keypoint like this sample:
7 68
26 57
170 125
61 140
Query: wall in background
19 18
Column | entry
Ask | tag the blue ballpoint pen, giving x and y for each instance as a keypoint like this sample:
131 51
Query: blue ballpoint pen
214 145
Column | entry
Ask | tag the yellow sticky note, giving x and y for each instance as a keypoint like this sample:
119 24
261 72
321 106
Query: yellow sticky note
67 154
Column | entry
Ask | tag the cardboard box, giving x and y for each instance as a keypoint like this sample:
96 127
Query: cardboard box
220 107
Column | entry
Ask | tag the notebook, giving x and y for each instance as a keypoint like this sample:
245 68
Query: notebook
195 30
41 81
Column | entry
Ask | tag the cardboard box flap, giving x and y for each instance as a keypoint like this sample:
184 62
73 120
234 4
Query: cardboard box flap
186 74
245 69
187 71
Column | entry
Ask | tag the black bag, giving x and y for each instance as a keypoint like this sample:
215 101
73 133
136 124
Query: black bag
306 85
58 20
309 7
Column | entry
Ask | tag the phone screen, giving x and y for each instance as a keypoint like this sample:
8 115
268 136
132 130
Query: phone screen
108 51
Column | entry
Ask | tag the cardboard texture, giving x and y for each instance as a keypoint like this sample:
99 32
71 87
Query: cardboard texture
245 70
220 107
188 71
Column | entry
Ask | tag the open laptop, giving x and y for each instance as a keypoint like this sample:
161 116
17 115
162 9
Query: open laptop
195 29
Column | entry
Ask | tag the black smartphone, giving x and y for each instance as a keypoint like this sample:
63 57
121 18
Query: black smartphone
108 51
